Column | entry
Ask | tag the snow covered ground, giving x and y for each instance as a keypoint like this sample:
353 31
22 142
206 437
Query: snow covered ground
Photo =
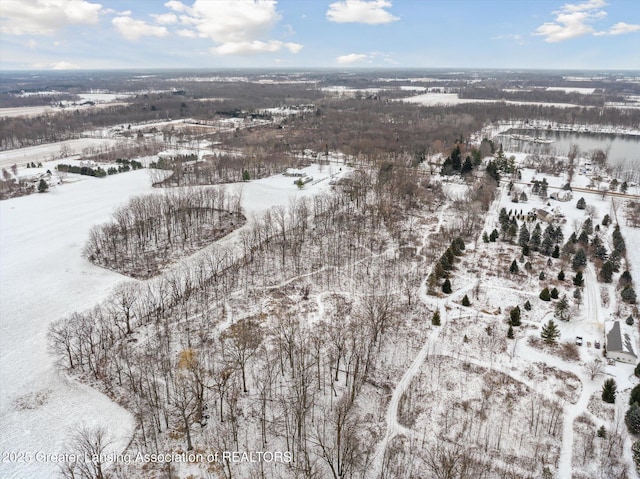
44 277
431 99
48 151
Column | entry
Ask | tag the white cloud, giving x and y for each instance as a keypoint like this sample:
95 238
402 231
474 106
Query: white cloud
361 11
254 47
575 20
32 44
45 17
133 29
187 33
621 28
352 58
165 18
177 6
238 27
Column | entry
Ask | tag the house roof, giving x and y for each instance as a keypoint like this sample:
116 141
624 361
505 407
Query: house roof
617 343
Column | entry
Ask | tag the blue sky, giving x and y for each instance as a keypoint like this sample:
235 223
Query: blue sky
134 34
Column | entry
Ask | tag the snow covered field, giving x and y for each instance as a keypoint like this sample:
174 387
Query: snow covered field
44 277
48 151
431 99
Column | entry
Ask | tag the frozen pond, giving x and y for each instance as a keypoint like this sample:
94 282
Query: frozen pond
619 148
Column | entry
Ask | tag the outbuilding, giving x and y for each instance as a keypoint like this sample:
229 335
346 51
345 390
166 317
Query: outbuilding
619 345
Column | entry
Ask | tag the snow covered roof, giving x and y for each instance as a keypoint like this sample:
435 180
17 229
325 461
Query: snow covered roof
616 343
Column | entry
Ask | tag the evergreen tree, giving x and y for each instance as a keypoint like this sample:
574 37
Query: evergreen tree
561 275
554 293
578 279
542 276
494 235
510 332
635 394
587 226
629 320
606 272
485 237
558 236
582 204
609 389
465 301
525 250
523 236
579 260
547 241
556 252
435 319
550 332
602 432
514 316
636 371
628 295
446 286
42 186
527 305
562 308
583 239
618 241
545 295
513 269
606 220
536 238
632 418
625 279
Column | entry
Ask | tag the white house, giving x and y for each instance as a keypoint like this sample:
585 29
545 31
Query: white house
619 345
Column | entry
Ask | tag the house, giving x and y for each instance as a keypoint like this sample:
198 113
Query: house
295 172
561 195
619 345
544 215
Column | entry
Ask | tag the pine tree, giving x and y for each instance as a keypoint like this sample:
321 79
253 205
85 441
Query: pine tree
632 418
435 320
527 305
629 320
554 293
579 260
556 252
602 432
561 275
609 389
510 332
578 279
606 272
485 237
42 186
536 238
465 301
606 220
582 204
628 295
550 332
523 237
635 394
545 295
513 269
514 316
446 286
542 276
562 308
625 279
